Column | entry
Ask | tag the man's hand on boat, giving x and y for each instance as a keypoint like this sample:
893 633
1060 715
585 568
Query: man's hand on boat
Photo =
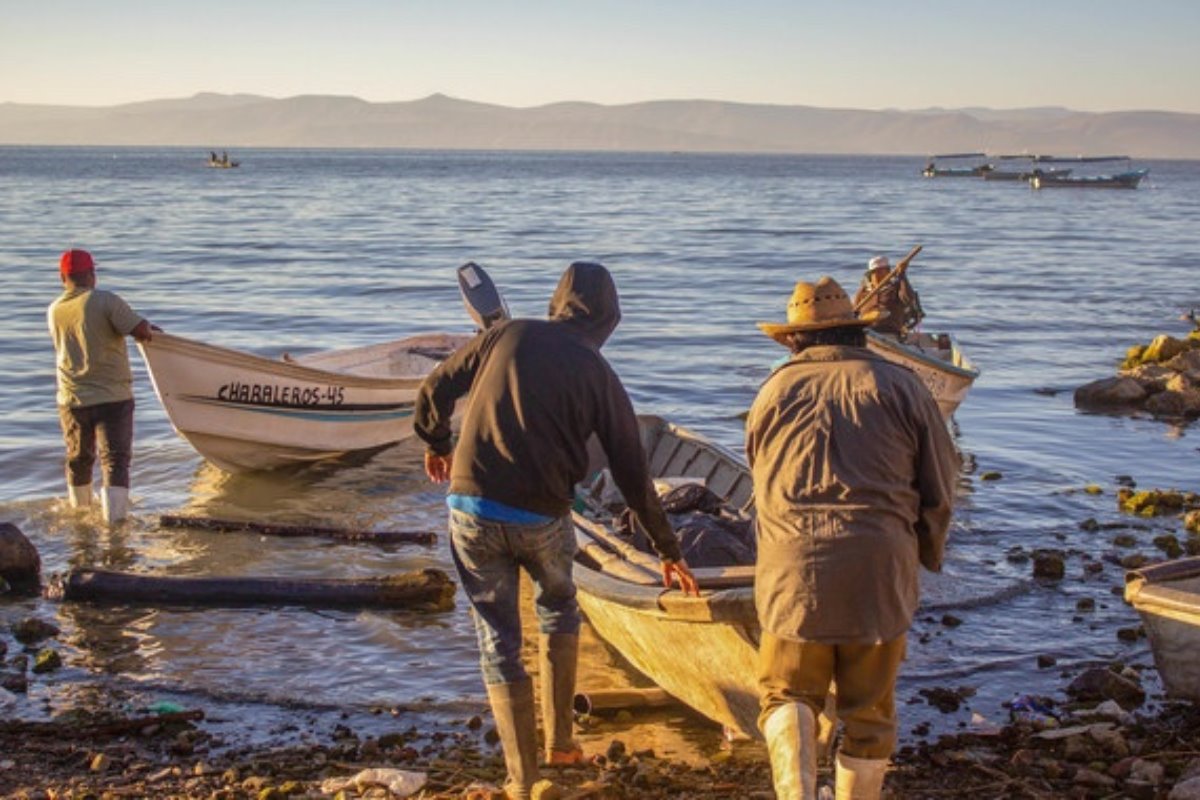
678 571
438 467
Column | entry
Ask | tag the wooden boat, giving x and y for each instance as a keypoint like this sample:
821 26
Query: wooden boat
222 162
1167 596
700 649
956 169
1127 178
248 412
937 361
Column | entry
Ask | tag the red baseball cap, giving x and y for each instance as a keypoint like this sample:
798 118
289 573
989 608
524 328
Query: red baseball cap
74 262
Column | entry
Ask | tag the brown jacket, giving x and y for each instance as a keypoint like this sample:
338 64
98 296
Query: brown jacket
854 474
901 302
536 391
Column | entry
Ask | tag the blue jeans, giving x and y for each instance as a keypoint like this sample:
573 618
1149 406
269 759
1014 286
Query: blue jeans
487 555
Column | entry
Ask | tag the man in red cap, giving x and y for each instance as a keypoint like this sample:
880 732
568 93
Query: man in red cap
95 385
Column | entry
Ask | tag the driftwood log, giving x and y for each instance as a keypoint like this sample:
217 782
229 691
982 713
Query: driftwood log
340 534
427 590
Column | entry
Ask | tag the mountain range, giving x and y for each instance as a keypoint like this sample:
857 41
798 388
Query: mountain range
224 121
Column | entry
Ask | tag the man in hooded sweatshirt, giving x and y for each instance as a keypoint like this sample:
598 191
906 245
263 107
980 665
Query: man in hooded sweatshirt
537 391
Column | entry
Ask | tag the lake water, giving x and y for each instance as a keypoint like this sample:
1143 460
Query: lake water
309 250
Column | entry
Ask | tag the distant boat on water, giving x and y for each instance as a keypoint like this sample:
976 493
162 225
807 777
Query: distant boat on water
222 161
961 165
1127 178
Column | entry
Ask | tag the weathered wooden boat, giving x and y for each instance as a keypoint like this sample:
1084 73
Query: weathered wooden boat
702 650
935 358
1167 597
976 166
1127 178
248 412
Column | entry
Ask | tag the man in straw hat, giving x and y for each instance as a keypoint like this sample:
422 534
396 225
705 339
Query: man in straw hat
854 474
95 386
898 303
536 391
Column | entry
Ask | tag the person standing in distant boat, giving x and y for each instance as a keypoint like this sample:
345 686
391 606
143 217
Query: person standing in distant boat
537 391
95 384
854 473
899 301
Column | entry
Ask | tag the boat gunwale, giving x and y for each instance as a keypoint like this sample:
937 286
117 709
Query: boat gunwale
971 372
180 345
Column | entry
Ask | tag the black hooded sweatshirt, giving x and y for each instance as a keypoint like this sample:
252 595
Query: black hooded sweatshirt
536 392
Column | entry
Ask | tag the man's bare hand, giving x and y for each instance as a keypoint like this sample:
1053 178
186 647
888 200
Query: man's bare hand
438 467
678 571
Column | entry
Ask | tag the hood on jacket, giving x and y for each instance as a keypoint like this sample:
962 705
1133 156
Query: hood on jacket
586 298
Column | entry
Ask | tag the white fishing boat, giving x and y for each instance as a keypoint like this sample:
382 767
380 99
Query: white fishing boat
1167 596
248 412
936 359
956 165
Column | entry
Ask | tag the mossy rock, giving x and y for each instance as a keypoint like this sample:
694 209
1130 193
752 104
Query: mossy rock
1150 503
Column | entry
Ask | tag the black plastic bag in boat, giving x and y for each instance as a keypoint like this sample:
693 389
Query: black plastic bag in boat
704 539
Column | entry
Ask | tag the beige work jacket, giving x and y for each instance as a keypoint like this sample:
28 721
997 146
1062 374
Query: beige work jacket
854 473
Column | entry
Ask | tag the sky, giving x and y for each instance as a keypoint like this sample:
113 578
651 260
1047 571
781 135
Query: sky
1087 55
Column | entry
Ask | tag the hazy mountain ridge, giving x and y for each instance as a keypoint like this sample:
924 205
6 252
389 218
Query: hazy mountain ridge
210 120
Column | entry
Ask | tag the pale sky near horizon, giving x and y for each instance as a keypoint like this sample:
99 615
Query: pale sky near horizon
1087 55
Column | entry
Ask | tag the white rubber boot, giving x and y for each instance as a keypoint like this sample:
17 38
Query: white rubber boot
79 496
114 500
791 733
859 778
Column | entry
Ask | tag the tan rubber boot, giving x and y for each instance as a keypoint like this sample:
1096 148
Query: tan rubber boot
859 778
512 708
114 500
79 496
791 733
559 657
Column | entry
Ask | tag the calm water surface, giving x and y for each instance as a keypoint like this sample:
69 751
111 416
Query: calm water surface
311 250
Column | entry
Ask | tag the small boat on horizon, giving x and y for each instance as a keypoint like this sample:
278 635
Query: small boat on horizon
222 161
1127 178
997 172
975 165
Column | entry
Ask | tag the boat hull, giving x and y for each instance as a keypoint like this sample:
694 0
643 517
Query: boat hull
947 373
1123 180
707 663
246 412
1167 597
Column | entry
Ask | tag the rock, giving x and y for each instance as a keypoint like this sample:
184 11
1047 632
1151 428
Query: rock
991 476
47 661
1152 377
1191 522
20 564
1148 772
1100 683
545 790
1186 790
1048 564
1164 348
1046 661
1088 777
32 630
1110 393
1170 403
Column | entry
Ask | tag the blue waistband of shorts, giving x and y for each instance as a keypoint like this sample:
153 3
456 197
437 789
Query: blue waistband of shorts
495 511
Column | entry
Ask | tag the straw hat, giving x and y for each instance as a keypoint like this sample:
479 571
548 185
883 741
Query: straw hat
815 307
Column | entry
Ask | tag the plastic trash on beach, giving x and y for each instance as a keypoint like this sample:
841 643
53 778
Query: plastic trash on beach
1032 711
400 783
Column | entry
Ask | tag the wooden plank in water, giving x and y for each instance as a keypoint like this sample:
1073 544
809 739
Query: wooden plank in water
340 534
428 589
